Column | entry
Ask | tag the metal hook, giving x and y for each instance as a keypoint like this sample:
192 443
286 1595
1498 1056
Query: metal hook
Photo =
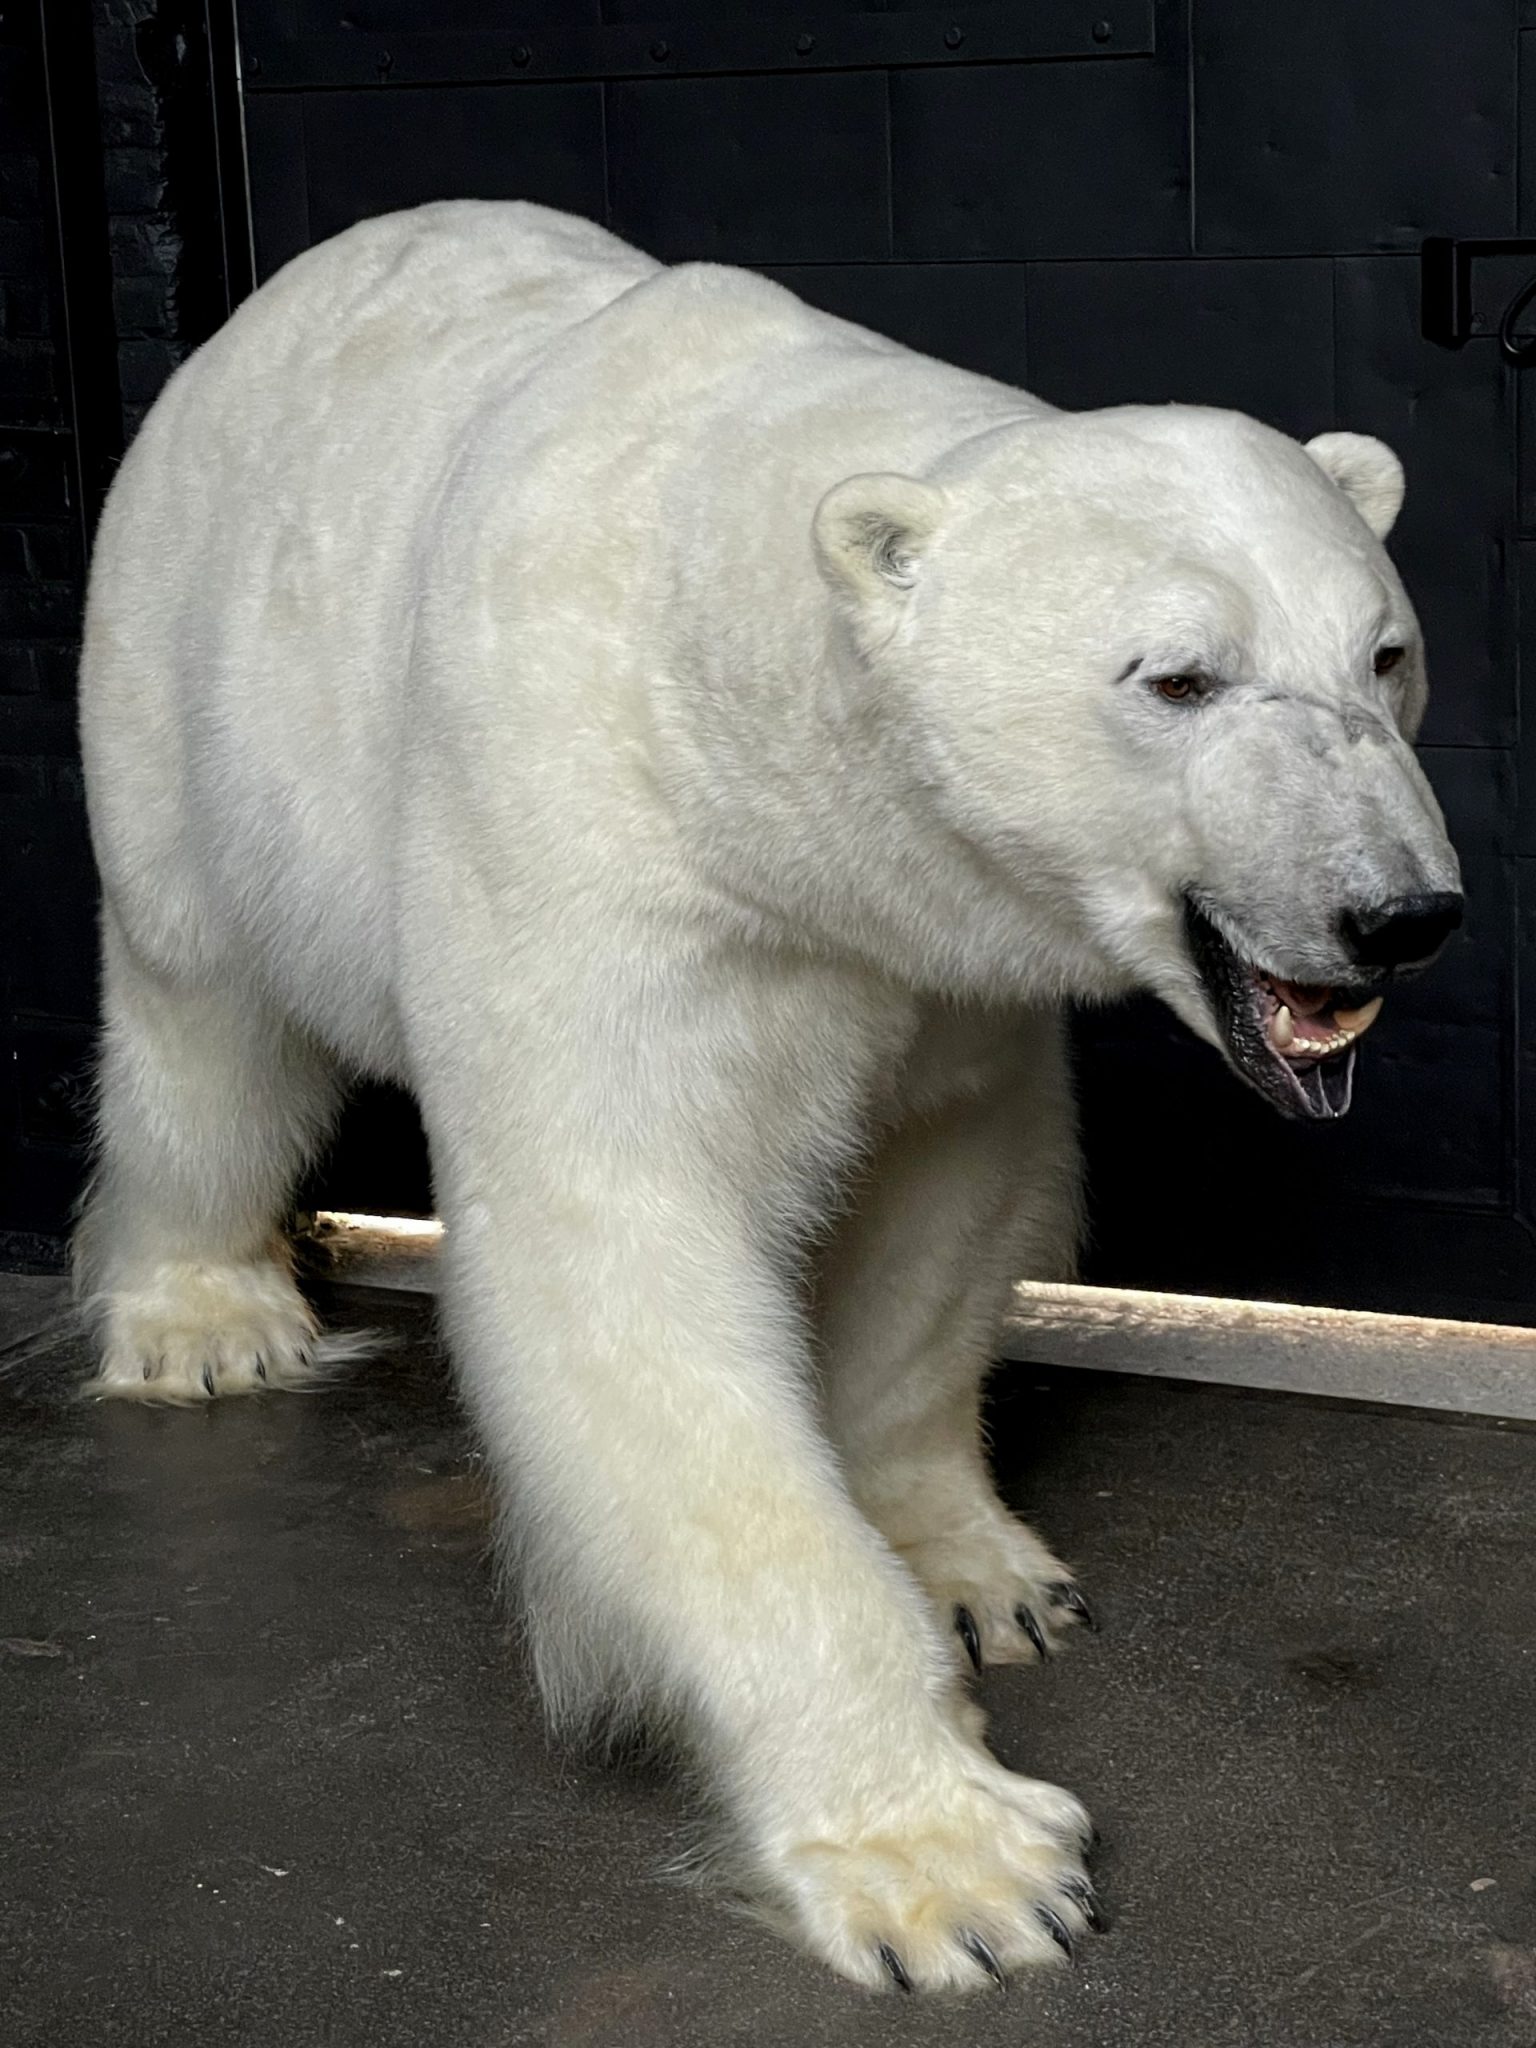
1518 349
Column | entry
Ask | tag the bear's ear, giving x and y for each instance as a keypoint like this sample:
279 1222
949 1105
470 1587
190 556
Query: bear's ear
871 532
1368 474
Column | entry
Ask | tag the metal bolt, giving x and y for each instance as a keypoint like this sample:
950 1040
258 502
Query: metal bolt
953 38
1102 31
521 55
386 63
804 45
661 52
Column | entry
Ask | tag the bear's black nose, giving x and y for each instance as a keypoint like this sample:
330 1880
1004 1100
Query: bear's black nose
1404 932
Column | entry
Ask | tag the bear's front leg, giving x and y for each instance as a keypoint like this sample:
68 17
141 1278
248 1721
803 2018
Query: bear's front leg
613 1166
974 1187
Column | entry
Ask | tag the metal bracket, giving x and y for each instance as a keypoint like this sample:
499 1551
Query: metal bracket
1445 275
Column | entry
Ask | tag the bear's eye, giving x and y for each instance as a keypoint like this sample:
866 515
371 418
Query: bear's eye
1177 689
1387 659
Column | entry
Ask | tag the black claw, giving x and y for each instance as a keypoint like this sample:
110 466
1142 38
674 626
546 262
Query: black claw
149 1372
895 1966
208 1380
1064 1595
1086 1899
965 1624
261 1368
975 1946
1056 1929
1033 1630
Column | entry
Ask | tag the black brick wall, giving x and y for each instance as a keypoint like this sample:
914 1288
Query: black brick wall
167 279
145 116
45 972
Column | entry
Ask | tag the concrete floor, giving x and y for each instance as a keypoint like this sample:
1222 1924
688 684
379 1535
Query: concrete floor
275 1774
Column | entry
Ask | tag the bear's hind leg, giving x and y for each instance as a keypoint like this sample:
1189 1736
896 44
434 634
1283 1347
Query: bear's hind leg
210 1103
974 1188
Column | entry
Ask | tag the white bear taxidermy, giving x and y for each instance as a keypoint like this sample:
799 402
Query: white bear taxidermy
699 747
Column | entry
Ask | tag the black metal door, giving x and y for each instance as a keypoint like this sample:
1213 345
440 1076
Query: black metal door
1213 200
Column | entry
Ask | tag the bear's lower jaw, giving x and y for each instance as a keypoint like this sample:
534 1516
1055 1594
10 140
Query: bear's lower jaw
1294 1042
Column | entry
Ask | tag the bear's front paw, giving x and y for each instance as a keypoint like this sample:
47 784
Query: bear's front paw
943 1885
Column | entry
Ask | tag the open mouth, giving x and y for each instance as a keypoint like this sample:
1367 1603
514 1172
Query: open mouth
1294 1041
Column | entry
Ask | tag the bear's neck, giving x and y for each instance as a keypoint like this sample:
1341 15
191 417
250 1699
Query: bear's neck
796 796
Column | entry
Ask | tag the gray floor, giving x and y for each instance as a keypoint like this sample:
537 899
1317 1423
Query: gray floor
275 1773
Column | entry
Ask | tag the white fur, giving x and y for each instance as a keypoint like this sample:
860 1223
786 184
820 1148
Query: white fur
474 695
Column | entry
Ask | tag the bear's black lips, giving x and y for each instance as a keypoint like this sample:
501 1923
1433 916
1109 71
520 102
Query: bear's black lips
1312 1087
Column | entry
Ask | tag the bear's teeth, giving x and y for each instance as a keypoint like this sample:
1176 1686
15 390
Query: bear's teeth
1315 1048
1356 1021
1282 1030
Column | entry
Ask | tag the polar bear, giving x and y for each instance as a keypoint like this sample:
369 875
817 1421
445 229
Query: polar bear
699 747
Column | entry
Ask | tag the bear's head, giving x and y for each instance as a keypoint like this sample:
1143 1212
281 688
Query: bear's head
1152 667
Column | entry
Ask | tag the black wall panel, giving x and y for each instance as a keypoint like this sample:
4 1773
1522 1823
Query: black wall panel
279 174
369 152
1255 335
1525 189
1217 201
1525 592
1352 125
706 10
973 314
1075 159
390 16
778 169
